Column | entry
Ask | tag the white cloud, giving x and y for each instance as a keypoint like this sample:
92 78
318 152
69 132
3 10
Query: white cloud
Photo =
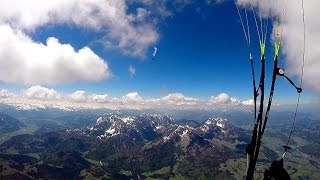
42 93
79 96
51 63
5 93
42 97
24 61
249 102
132 71
100 98
292 44
129 32
132 98
46 94
164 8
178 99
223 98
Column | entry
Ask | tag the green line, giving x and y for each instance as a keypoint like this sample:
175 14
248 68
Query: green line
277 48
262 47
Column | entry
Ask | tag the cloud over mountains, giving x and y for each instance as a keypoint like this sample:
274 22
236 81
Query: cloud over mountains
42 97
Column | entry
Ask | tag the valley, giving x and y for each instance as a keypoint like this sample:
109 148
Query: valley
115 145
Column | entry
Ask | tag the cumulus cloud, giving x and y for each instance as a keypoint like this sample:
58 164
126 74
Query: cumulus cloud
122 30
178 99
223 98
45 94
133 97
29 62
42 97
249 102
24 61
79 96
292 43
164 8
132 71
100 98
42 93
5 93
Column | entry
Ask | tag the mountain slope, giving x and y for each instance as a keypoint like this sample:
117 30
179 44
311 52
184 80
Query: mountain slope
9 124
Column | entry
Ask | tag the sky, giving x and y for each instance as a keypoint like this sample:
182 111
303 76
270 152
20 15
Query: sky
99 53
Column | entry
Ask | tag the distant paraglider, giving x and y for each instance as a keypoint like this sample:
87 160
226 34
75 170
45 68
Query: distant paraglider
154 53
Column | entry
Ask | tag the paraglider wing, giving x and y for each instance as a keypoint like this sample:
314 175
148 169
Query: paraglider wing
154 52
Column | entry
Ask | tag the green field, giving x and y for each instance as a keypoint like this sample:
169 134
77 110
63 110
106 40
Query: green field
29 129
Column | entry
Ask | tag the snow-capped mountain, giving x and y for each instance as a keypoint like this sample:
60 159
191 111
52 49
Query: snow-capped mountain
157 127
145 126
217 128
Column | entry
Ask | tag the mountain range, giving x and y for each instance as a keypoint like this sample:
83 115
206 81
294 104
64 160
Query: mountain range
149 145
125 147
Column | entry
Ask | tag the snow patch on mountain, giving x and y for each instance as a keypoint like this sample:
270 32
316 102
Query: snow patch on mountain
100 120
185 132
127 119
111 131
220 123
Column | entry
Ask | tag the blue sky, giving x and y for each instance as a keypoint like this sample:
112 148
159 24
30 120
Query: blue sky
201 53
